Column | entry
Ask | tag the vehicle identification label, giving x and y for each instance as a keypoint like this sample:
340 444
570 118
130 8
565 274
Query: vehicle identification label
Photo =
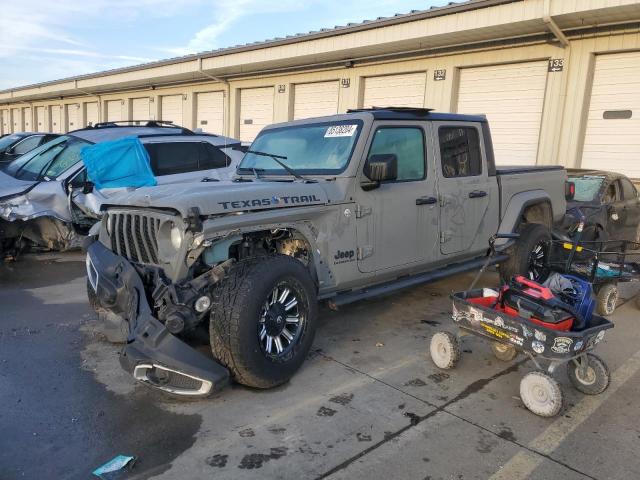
340 131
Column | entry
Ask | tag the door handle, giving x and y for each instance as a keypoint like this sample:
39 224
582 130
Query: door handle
477 194
426 201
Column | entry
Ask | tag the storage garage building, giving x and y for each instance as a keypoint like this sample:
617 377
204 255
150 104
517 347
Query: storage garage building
558 79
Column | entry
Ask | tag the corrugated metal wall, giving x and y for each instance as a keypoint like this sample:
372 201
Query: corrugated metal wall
560 98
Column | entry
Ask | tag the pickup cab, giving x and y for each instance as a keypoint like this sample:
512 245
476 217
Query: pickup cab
334 209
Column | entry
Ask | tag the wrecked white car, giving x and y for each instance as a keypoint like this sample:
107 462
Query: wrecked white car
47 201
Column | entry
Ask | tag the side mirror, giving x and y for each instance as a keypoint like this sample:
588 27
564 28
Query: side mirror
378 169
569 190
87 187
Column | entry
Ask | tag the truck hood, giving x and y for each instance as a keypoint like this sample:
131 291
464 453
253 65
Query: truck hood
213 198
10 186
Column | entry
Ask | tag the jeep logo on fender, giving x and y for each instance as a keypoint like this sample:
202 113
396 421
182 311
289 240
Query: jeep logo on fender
267 202
344 256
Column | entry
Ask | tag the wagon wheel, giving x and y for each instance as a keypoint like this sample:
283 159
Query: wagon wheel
607 299
504 352
444 350
541 394
590 379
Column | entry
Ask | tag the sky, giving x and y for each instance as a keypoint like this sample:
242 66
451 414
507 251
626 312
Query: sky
43 40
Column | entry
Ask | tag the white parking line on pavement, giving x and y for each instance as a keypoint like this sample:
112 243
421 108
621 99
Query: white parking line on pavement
525 462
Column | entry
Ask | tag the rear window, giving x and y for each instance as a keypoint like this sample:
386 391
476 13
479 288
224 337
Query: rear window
587 188
460 152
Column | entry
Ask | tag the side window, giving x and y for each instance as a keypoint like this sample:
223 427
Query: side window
612 193
407 144
213 157
629 192
460 152
27 145
172 158
80 179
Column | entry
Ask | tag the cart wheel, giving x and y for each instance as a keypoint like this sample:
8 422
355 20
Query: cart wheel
595 379
541 394
607 299
504 352
444 349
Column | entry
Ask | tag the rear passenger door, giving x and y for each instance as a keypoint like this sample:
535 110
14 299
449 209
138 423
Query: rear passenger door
468 192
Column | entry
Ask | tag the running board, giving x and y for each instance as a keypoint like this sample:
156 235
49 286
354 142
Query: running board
413 280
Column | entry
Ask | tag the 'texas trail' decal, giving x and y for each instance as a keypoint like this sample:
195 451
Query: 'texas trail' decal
267 202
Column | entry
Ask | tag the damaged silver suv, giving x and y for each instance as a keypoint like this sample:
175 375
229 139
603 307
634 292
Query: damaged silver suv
338 209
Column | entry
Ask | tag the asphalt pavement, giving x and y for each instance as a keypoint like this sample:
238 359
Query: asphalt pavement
368 402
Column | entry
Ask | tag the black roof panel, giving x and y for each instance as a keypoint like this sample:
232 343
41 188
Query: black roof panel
408 113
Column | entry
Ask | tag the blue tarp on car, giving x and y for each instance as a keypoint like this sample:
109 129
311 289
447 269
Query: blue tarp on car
117 164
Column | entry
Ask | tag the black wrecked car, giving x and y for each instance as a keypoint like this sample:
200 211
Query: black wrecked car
16 144
610 204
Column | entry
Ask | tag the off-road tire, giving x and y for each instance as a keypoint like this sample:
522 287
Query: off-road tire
504 352
94 303
531 234
444 350
607 299
541 394
597 377
237 302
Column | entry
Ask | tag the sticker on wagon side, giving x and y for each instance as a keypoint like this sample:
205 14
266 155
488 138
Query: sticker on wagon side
562 345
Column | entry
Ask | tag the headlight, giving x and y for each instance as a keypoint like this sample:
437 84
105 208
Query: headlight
176 237
8 205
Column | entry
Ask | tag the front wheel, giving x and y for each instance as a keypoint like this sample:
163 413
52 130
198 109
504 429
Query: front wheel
529 256
541 394
263 320
444 350
593 379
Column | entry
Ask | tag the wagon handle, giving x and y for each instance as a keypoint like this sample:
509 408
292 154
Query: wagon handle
491 253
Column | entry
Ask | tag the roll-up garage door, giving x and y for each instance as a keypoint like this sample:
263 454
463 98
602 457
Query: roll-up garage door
210 112
512 97
114 110
171 109
315 99
5 126
140 109
91 113
406 90
26 118
56 119
41 123
256 111
612 138
16 117
73 116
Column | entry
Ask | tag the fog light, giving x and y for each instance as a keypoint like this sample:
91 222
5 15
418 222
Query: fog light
202 304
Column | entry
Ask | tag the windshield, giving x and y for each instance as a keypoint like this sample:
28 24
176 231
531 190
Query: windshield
587 188
49 160
318 148
8 141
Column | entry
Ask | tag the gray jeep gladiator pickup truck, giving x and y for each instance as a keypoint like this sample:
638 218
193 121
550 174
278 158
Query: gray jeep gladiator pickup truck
337 209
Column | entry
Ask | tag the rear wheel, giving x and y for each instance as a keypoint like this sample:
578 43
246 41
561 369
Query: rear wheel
263 320
591 380
529 256
503 352
607 299
541 394
444 350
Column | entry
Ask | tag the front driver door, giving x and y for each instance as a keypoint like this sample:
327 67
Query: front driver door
397 222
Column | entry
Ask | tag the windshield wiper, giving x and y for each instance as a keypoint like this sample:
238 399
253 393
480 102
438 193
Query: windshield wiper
278 159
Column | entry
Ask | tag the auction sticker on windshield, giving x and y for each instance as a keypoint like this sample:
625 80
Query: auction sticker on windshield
341 131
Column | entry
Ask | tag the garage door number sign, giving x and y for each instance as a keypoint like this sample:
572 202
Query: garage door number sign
556 64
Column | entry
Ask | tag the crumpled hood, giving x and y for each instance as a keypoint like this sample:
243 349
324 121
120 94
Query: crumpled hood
223 197
10 186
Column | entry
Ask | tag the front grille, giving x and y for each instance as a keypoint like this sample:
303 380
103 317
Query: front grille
134 236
